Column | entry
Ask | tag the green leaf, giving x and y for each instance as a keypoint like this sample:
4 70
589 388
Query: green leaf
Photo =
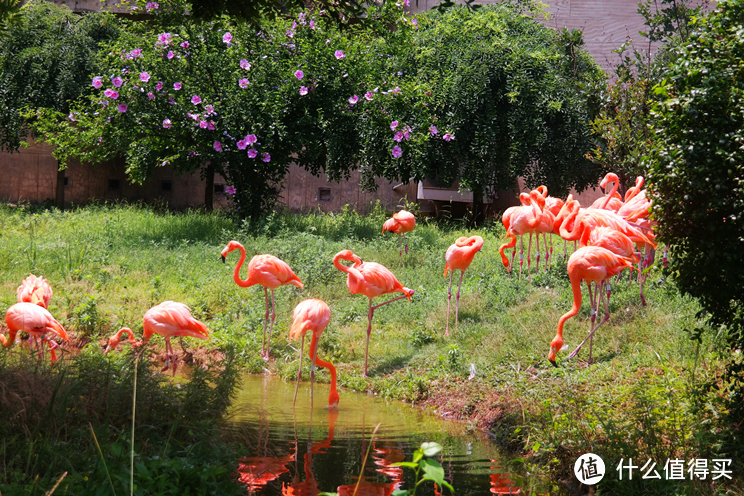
405 464
431 449
417 455
401 492
433 470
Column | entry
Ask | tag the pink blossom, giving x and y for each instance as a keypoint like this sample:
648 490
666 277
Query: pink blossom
294 25
152 6
369 96
339 54
210 125
312 23
137 52
226 38
448 137
398 137
71 117
194 117
196 99
150 95
167 123
242 145
243 83
144 77
290 33
164 38
251 139
303 90
353 99
266 157
414 23
397 151
299 74
395 90
244 64
159 85
117 81
433 130
97 82
122 107
170 54
252 153
108 92
203 124
185 44
217 146
230 190
177 86
393 125
114 94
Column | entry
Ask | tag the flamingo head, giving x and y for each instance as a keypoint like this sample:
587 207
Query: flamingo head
232 245
543 190
524 199
349 256
610 177
555 346
333 399
112 343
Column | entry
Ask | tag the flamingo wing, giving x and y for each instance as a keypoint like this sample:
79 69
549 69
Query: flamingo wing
171 318
35 290
378 280
33 319
271 272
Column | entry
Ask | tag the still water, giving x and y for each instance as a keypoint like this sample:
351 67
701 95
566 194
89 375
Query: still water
305 451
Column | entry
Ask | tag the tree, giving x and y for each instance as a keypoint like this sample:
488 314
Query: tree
45 59
696 167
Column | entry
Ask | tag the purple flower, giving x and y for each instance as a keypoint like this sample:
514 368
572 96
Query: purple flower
177 86
266 157
172 101
303 90
114 94
244 64
164 38
170 54
159 85
210 125
185 44
251 139
242 145
339 54
448 137
203 124
395 90
117 81
433 130
97 82
71 117
227 38
150 95
194 117
230 190
152 6
397 151
217 145
353 99
108 92
137 52
414 23
144 77
122 107
167 123
252 153
398 137
369 96
290 33
312 23
299 74
393 125
209 109
196 99
243 83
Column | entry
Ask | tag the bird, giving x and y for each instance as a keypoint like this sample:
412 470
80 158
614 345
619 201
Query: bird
554 205
370 279
401 223
523 220
35 290
506 218
459 256
171 319
313 315
37 322
592 264
615 241
268 271
115 340
611 201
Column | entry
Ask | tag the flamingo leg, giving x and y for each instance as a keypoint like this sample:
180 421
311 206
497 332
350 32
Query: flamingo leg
551 252
537 246
167 355
457 302
271 327
370 313
521 256
529 262
299 372
266 321
405 241
591 333
514 252
449 301
314 352
547 253
400 248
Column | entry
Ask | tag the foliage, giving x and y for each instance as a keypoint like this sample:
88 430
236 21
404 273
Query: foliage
423 461
696 170
45 59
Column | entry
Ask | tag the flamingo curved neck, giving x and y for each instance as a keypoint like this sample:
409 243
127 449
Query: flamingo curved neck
576 233
576 288
615 185
236 274
322 363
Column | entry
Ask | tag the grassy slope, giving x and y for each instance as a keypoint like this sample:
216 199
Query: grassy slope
108 265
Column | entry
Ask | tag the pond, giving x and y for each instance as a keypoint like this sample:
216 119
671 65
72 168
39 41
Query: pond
305 451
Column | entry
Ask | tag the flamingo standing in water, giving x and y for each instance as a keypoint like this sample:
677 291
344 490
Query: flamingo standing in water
171 319
313 315
269 272
401 223
592 264
370 279
459 256
36 321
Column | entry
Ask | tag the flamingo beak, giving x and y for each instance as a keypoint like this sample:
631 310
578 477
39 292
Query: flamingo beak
553 363
223 259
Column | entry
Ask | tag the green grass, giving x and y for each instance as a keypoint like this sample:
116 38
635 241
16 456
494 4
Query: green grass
646 397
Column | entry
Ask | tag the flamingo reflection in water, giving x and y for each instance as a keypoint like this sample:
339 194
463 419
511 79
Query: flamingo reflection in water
383 457
309 487
256 472
500 482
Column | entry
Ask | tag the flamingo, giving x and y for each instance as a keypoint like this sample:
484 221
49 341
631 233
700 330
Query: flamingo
401 223
35 320
370 279
313 315
459 256
592 264
554 205
269 272
171 319
615 241
115 340
522 221
309 487
524 199
612 201
35 290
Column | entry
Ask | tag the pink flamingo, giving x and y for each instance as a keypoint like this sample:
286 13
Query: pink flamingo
115 340
370 279
612 201
269 272
171 319
524 220
313 315
459 256
615 241
37 322
592 264
35 290
554 205
401 223
524 199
